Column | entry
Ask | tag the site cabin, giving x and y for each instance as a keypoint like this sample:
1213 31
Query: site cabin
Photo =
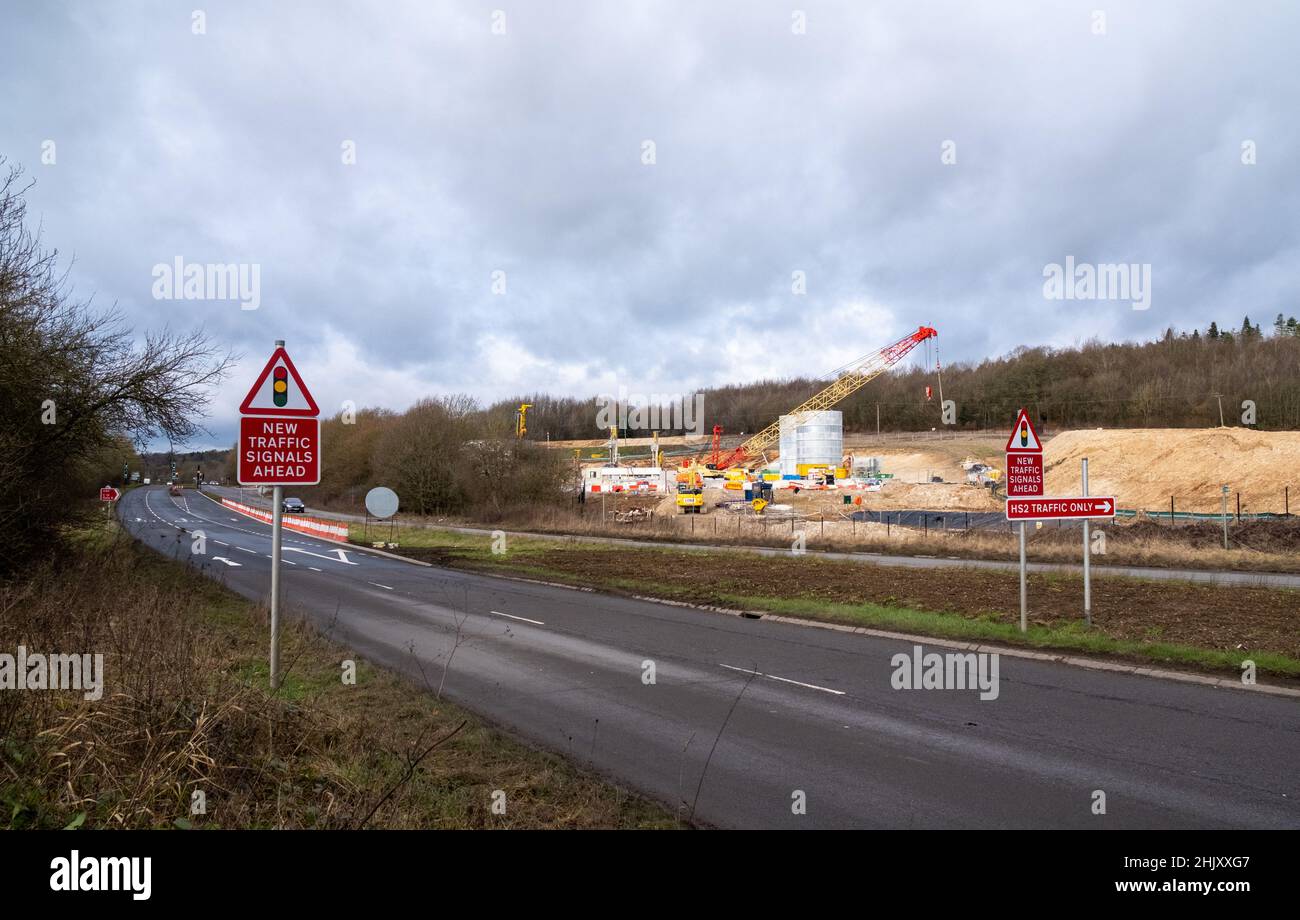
634 480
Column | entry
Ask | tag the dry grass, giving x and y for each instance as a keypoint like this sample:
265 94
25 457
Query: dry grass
185 709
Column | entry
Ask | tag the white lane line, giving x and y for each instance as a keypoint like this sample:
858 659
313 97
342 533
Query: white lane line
226 561
219 543
786 680
242 550
339 555
288 562
513 617
378 585
313 568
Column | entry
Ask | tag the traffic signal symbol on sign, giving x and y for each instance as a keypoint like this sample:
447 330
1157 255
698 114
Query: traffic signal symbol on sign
279 390
1023 436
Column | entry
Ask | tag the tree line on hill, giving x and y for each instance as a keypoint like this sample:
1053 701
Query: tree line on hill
1176 381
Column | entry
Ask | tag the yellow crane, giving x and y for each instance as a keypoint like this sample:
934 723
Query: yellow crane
521 419
858 375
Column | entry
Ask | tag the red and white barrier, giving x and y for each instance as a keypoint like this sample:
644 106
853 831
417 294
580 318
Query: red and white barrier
326 530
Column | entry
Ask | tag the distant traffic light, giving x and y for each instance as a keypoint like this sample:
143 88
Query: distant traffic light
280 388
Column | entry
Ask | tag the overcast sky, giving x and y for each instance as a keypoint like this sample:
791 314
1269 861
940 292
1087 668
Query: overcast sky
783 143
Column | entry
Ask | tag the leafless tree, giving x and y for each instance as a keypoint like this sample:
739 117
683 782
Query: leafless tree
77 382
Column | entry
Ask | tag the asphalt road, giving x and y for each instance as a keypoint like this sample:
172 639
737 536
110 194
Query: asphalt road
745 715
1203 576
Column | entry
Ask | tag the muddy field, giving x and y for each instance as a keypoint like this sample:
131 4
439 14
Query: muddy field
1279 537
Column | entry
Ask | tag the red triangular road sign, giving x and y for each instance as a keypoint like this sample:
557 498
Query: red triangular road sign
293 399
1024 439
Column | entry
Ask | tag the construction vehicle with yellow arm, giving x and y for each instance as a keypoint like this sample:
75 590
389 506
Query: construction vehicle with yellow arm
690 490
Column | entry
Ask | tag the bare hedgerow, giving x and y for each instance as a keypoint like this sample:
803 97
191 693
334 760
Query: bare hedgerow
74 382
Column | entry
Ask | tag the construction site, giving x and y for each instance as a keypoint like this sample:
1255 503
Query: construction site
803 467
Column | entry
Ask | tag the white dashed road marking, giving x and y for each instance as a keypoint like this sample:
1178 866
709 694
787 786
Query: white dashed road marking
784 680
513 617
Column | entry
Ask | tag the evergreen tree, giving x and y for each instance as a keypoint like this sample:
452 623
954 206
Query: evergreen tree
1213 333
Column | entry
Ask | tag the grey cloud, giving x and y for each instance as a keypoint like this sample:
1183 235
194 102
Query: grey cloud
776 152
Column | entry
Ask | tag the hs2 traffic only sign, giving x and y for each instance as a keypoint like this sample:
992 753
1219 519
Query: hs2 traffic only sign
279 433
1026 502
1065 508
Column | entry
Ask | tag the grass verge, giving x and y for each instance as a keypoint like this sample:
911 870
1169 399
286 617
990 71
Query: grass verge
186 716
1173 624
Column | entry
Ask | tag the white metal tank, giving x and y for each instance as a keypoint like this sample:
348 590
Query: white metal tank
811 437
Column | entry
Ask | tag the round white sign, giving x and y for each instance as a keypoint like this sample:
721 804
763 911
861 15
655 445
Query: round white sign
381 501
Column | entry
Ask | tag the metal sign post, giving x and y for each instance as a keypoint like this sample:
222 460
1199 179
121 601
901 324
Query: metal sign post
1024 594
1024 478
1225 517
277 519
1087 561
279 444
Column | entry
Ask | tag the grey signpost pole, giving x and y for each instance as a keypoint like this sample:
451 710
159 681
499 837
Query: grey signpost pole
1024 595
1087 563
277 516
1225 517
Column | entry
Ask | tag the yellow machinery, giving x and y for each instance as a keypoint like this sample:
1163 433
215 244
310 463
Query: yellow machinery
690 491
521 419
735 479
849 381
759 504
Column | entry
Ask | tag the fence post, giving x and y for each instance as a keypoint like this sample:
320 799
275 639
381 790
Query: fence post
1238 507
1171 511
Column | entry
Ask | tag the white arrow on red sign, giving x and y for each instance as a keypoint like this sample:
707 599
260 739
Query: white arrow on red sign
1075 507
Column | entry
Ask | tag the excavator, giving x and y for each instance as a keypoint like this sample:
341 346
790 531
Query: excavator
850 379
690 490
